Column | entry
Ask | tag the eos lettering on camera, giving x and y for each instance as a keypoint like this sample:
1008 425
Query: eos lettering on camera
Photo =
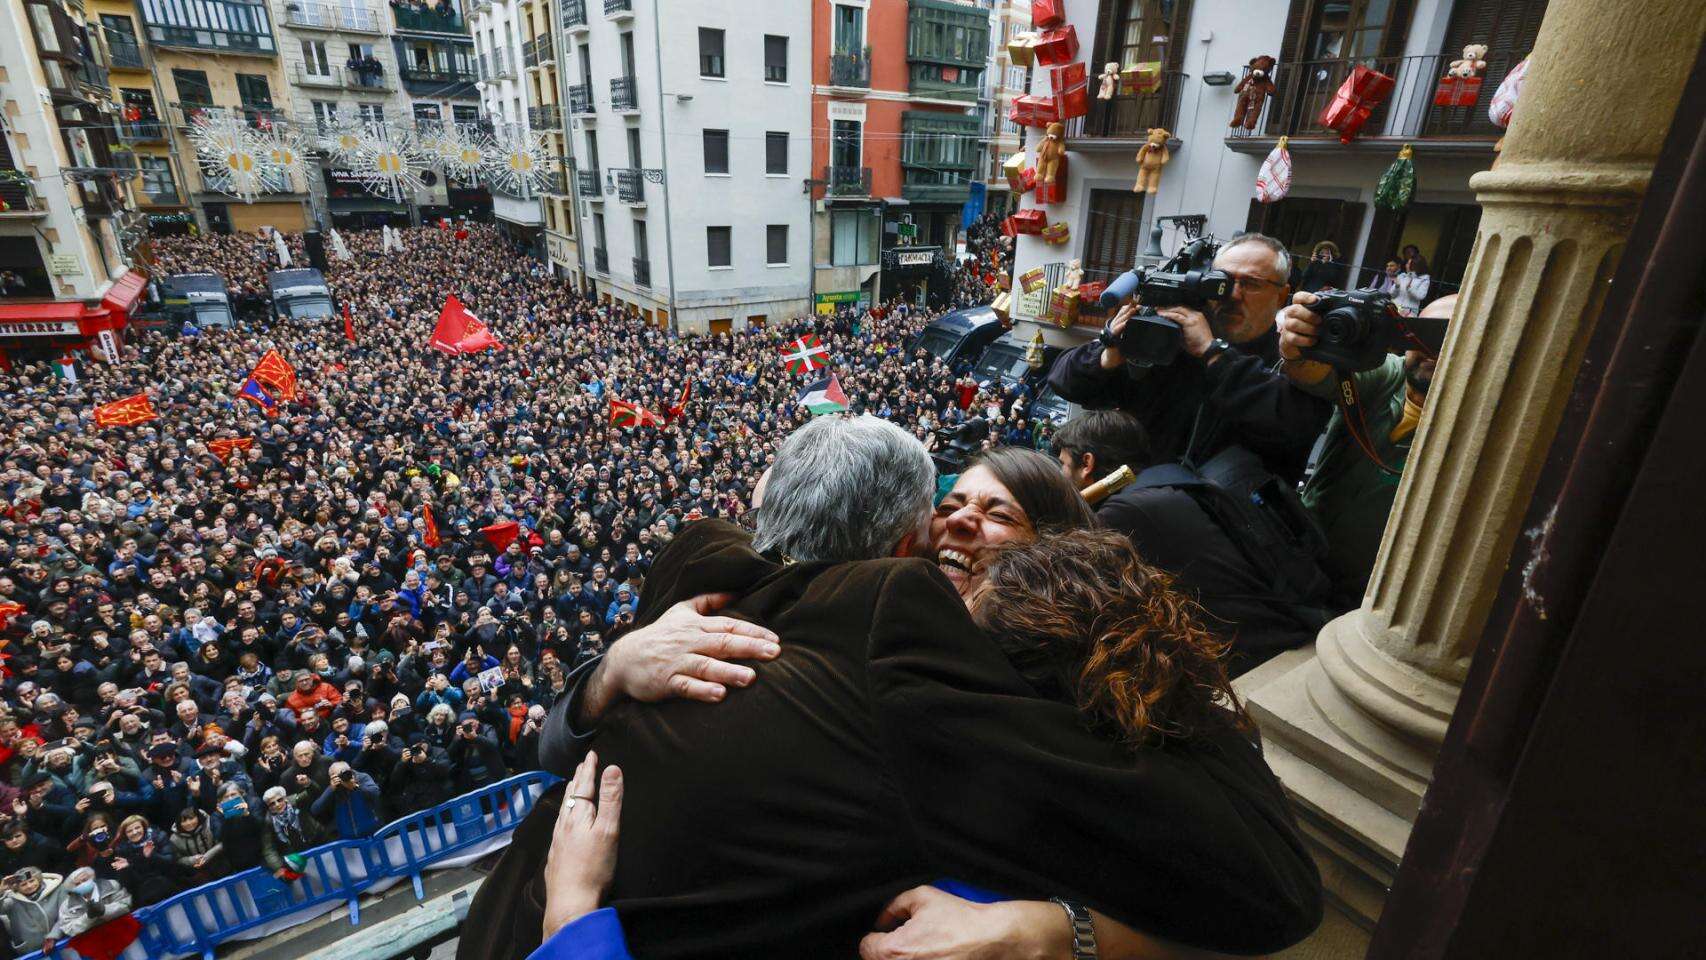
1187 280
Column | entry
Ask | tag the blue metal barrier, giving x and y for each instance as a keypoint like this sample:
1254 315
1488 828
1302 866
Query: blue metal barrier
199 920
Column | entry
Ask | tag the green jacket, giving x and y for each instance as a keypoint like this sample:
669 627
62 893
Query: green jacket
1349 495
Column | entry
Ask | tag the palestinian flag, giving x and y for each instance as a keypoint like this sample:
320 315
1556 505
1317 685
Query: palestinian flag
805 354
224 448
131 410
625 414
825 396
65 369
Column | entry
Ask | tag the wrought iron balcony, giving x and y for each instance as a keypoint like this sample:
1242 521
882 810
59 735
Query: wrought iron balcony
624 94
437 73
545 118
642 272
92 75
850 68
847 181
496 65
589 185
19 196
618 8
574 15
536 52
630 185
225 26
124 53
1128 117
350 18
557 183
141 131
601 259
429 20
580 99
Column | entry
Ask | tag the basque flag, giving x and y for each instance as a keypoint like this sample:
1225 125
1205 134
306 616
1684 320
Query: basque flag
805 354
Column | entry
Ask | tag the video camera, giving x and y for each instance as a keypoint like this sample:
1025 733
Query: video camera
1360 327
958 444
1187 280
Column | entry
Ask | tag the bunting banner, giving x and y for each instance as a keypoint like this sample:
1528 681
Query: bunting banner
131 410
225 447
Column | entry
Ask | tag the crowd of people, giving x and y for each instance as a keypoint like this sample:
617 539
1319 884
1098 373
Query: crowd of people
215 660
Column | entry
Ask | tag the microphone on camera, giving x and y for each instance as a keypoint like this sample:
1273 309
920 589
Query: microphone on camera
1120 290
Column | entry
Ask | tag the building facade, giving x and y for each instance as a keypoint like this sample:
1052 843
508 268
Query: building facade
68 222
1002 82
438 70
499 29
691 165
895 144
547 114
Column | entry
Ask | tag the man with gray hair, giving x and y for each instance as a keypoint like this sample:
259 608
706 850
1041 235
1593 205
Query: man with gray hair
1225 388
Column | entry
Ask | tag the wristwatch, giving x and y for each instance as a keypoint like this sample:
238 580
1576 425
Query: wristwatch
1216 347
1083 929
1107 336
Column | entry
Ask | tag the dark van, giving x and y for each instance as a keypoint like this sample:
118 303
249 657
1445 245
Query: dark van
958 338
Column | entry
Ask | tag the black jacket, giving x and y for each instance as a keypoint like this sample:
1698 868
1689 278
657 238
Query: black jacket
889 745
1243 400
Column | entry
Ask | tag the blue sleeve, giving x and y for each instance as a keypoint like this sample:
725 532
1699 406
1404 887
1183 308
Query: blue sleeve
596 936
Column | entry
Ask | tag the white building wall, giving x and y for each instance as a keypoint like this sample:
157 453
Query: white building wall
498 32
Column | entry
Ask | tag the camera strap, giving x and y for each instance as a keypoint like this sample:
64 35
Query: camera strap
1356 424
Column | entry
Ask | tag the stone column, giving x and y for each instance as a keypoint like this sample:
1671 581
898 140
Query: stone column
1354 729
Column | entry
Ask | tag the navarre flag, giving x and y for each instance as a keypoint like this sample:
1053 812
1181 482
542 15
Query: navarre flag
276 372
225 447
459 331
349 324
131 410
625 414
501 535
805 354
430 537
825 396
256 394
680 406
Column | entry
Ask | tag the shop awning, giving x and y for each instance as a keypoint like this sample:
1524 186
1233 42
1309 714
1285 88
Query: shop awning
126 290
46 318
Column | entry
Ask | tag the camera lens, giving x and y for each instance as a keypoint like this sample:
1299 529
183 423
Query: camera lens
1345 325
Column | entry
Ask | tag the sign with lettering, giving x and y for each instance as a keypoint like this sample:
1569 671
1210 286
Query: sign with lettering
915 258
1030 305
38 328
63 264
108 345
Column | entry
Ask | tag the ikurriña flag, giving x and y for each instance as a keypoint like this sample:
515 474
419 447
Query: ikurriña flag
625 414
805 354
131 410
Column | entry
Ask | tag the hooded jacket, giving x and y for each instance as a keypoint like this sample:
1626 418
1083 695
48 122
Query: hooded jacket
30 920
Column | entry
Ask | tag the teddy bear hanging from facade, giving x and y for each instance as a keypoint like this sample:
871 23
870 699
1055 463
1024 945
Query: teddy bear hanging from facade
1473 63
1253 91
1050 151
1110 82
1151 157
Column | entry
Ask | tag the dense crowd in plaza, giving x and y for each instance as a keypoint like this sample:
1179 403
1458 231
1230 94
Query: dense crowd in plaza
211 664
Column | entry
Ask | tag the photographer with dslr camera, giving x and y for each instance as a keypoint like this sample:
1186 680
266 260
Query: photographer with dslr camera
1200 371
1334 340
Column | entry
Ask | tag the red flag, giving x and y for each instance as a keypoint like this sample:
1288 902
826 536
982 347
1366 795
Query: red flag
131 410
459 331
276 372
501 535
431 537
349 324
625 414
106 941
680 406
223 448
8 610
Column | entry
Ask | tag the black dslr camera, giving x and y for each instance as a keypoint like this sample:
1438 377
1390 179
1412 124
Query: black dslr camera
1187 280
1360 327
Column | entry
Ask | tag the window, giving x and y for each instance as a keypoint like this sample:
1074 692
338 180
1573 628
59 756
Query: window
628 53
853 237
1112 245
634 156
592 150
253 92
360 51
598 231
719 246
426 115
776 244
776 152
192 87
371 113
465 114
315 63
844 148
775 59
642 243
710 52
325 113
849 28
157 180
716 151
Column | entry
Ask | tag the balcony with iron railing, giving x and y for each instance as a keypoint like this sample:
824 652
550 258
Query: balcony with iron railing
601 260
556 183
496 66
580 99
642 272
536 52
1409 114
19 196
574 15
589 184
141 131
618 8
125 53
545 118
349 18
847 181
223 26
428 20
630 185
437 73
1125 120
92 76
312 75
624 94
850 68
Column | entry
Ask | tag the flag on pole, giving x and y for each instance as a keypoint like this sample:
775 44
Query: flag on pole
459 331
225 447
276 372
825 396
349 324
340 249
680 406
283 251
630 415
65 369
131 410
805 354
430 537
254 393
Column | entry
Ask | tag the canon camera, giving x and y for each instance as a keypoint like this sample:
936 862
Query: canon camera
1360 327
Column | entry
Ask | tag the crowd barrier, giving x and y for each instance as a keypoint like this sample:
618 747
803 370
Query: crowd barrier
255 904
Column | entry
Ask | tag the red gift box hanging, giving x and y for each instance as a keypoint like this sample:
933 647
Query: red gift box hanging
1056 48
1047 13
1090 296
1457 92
1052 192
1351 106
1029 222
1071 87
1031 110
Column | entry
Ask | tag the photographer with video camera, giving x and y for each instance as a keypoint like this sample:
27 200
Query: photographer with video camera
1195 357
1336 346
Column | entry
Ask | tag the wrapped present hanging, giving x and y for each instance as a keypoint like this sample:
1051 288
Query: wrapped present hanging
1140 78
1355 101
1003 282
1503 106
1029 222
1033 279
1053 192
1273 182
1090 296
1397 185
1063 306
1002 305
1057 233
1031 110
1048 13
1457 92
1015 169
1022 49
1071 88
1057 47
